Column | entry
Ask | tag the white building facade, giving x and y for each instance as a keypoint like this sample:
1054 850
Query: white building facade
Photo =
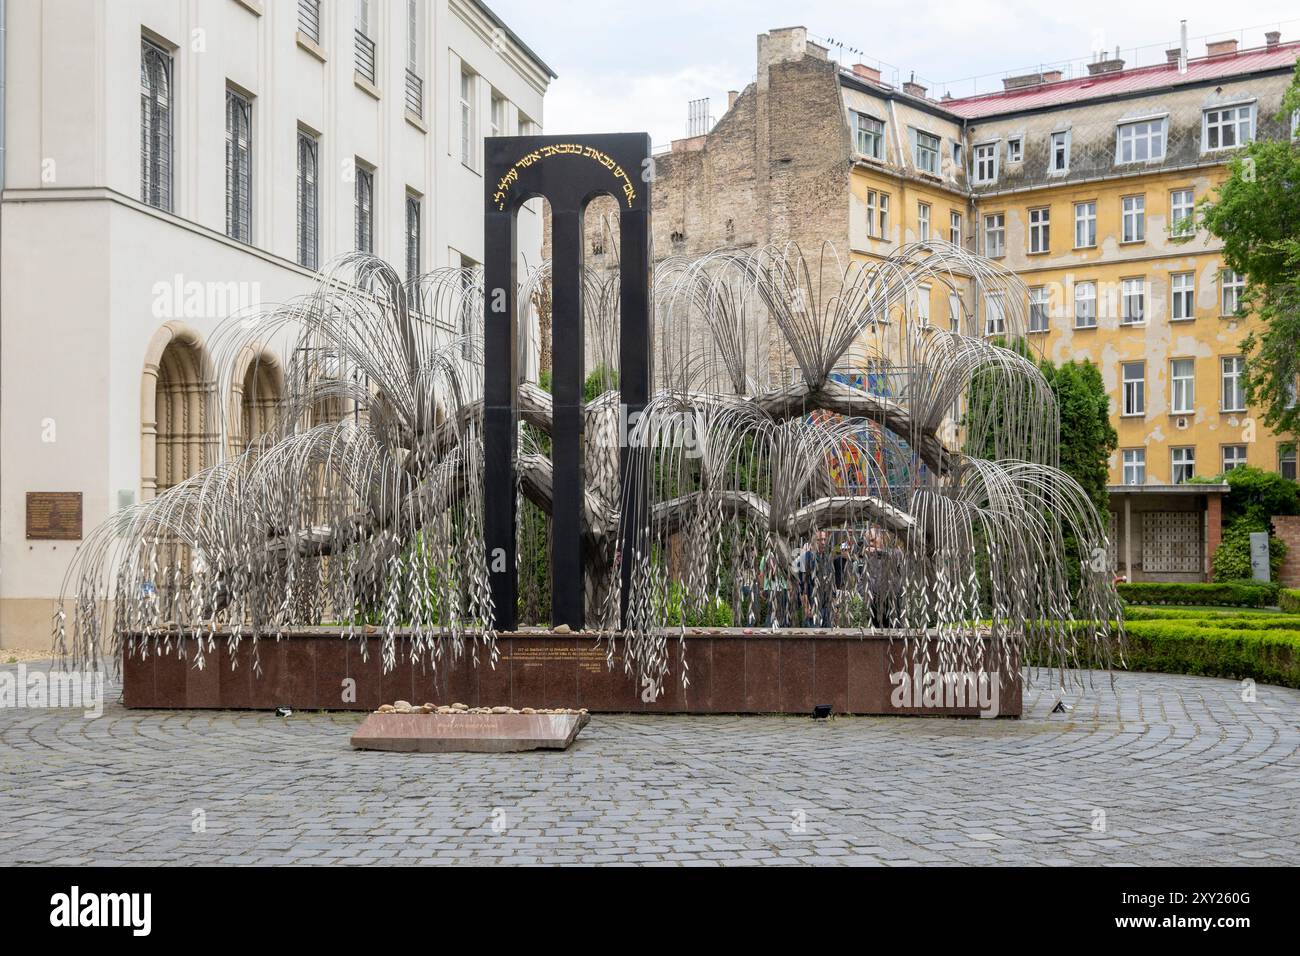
167 163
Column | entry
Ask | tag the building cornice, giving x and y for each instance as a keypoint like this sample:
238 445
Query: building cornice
480 18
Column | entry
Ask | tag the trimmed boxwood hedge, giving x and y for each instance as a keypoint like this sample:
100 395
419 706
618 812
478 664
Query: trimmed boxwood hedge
1288 599
1265 648
1227 593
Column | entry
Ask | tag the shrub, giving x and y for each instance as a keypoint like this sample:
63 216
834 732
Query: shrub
1227 593
1289 600
1232 558
715 613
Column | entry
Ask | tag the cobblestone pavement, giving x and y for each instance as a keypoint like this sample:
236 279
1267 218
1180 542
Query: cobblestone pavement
1183 770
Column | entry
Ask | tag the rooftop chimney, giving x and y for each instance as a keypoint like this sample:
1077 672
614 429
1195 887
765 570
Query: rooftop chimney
1173 56
732 96
1221 47
1182 46
1030 79
1098 67
866 72
1273 37
913 88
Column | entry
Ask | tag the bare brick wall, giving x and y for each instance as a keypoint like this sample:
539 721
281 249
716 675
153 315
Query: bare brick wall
1287 528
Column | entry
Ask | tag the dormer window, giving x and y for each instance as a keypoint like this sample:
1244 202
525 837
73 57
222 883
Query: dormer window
986 163
1228 127
1015 150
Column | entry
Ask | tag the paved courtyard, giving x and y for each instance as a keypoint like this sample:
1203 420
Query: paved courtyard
1165 769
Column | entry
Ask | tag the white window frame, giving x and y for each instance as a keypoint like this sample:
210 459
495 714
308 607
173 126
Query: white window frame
1187 214
1061 137
1232 396
1133 289
1085 215
923 304
995 314
884 216
1146 132
1230 284
1182 386
1085 292
1040 308
467 92
1015 149
984 156
1040 230
923 210
1000 230
497 114
1286 452
1133 211
1239 457
1135 466
954 227
1182 296
1182 464
1227 117
1133 389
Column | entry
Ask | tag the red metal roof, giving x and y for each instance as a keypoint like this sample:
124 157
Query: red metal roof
1161 76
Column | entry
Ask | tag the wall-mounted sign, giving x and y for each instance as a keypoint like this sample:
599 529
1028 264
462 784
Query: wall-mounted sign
54 515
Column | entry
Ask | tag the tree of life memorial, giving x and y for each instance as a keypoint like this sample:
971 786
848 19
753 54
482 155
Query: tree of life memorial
762 438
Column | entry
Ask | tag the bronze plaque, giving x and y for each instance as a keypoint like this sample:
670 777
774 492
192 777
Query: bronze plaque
54 515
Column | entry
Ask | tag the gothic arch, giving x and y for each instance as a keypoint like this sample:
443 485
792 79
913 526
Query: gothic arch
257 393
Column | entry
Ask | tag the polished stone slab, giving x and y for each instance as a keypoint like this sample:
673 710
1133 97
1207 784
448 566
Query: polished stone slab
467 733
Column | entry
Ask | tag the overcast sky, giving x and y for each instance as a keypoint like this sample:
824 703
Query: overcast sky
631 66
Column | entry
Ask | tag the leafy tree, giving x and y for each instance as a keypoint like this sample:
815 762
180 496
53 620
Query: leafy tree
1256 214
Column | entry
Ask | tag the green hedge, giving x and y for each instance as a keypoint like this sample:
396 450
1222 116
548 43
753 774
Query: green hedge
1177 647
1227 593
1229 647
1288 599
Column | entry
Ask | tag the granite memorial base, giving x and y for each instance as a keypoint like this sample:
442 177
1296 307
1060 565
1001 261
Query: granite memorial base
730 671
467 733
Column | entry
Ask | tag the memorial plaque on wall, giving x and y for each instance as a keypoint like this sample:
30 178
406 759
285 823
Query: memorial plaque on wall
54 515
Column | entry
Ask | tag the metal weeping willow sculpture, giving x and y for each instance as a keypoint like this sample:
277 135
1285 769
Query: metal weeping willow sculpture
814 453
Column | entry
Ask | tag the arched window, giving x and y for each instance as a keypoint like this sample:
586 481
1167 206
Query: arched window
180 423
155 125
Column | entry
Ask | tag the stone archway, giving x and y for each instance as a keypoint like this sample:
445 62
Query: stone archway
257 394
175 414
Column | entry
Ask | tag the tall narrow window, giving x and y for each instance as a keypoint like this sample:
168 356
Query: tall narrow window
498 117
923 221
1134 375
954 228
995 235
923 304
1040 230
467 118
1040 301
884 216
412 237
414 62
1135 301
1085 305
1182 222
1183 461
365 209
986 163
1286 462
995 317
1085 224
1059 152
1182 295
308 200
1234 391
1232 285
365 44
871 213
155 125
239 167
1015 149
1182 386
1135 466
1134 218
